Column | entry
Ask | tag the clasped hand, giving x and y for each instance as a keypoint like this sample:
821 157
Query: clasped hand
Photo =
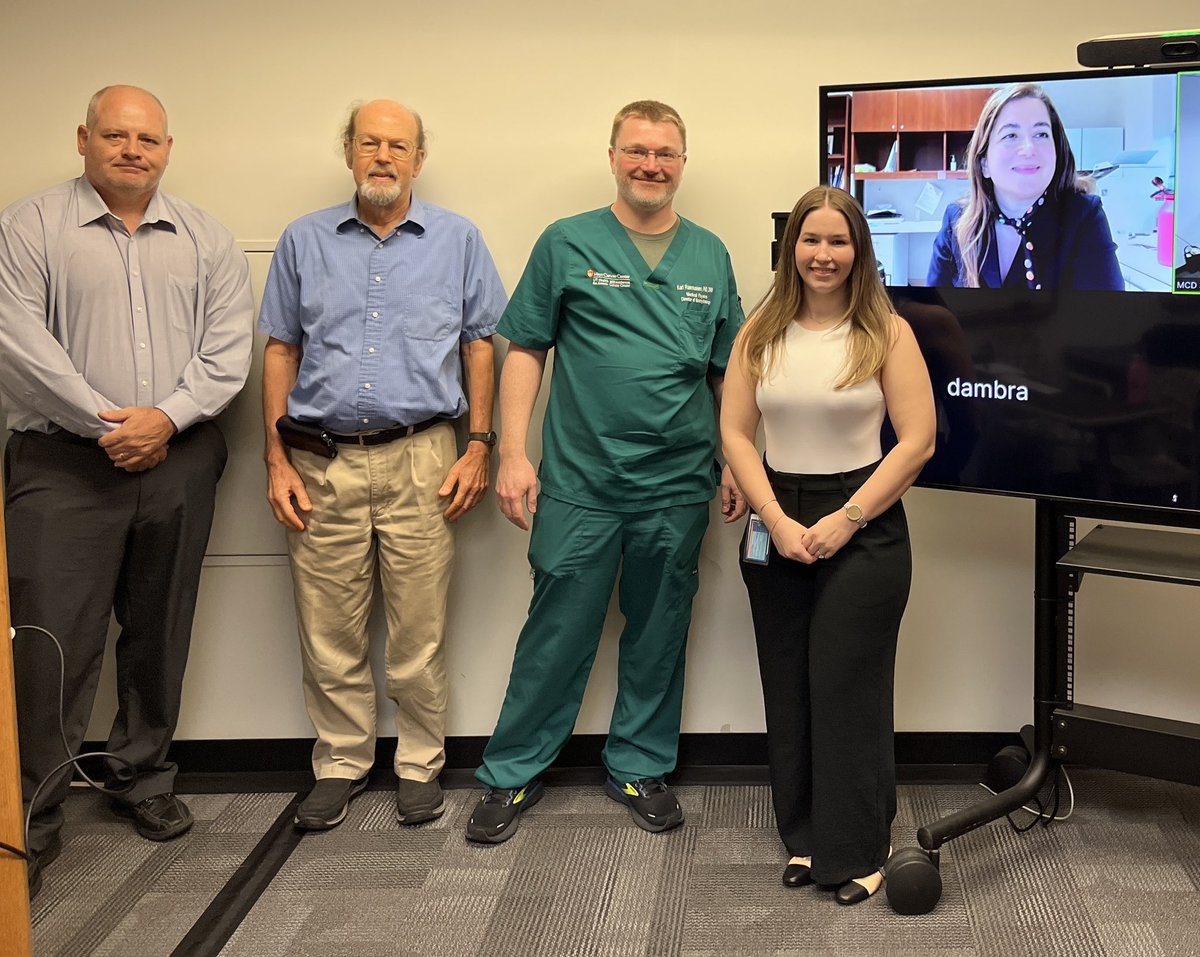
140 440
808 544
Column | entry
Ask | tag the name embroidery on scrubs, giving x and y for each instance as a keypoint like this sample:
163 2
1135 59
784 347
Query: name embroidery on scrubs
700 294
614 280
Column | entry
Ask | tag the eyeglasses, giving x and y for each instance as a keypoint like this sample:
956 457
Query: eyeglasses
639 154
371 145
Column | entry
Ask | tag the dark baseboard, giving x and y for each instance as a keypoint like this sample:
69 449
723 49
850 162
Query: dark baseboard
283 764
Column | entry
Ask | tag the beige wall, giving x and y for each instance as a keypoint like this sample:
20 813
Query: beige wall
518 98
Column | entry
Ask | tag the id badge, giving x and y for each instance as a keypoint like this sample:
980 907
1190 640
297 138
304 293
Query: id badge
758 541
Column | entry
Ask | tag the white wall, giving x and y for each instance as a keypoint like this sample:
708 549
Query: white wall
518 98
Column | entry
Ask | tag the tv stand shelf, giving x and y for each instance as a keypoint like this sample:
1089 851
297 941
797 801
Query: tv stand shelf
1102 737
1063 729
1149 554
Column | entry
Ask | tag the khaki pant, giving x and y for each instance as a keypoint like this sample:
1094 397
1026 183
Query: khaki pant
375 508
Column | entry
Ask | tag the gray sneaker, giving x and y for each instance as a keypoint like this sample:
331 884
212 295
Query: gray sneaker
328 803
419 801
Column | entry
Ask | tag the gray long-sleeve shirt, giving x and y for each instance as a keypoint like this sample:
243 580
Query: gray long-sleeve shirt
92 318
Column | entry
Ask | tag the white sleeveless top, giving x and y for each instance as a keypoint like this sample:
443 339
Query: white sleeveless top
810 427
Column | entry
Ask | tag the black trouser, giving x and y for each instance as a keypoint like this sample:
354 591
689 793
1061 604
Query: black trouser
826 636
85 540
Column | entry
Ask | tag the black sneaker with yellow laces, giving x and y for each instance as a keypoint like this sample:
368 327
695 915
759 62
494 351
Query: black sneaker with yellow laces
651 803
497 814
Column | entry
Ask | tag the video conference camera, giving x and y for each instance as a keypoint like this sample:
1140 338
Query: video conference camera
1141 49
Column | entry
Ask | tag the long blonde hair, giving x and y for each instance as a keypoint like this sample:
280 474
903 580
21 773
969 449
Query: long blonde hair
979 206
869 309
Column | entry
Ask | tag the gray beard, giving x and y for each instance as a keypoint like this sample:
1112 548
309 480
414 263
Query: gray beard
645 204
381 196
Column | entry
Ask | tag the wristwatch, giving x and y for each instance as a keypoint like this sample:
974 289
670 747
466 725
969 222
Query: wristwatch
855 514
487 438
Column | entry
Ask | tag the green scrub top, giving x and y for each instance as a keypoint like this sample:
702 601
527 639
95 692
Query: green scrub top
630 423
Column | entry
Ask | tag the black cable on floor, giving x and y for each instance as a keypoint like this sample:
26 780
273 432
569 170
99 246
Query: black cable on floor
228 909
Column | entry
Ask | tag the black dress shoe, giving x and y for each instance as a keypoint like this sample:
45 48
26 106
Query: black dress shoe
854 893
34 870
39 859
797 875
158 818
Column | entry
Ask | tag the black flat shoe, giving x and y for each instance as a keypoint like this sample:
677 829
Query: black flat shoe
797 875
854 893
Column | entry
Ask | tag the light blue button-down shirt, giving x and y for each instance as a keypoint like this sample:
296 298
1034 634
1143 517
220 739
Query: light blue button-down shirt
380 321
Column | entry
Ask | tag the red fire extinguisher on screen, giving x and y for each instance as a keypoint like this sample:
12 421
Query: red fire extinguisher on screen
1166 221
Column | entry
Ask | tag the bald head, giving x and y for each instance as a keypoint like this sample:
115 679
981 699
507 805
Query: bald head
350 130
125 146
123 89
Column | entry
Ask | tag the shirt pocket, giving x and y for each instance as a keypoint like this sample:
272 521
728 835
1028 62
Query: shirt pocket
696 330
181 304
432 316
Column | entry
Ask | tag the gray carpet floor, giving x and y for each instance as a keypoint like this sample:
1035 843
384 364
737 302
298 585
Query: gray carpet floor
1121 878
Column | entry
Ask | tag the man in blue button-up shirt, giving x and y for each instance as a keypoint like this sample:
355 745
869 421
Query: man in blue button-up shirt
374 310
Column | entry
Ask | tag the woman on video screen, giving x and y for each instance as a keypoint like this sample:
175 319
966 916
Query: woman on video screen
1029 221
821 360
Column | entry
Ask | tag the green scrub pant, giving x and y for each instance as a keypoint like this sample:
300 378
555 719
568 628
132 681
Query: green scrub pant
575 554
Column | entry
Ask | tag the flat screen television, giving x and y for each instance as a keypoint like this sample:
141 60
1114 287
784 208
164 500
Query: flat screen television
1064 342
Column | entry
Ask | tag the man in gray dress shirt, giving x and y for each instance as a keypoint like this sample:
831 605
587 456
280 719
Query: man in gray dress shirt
125 327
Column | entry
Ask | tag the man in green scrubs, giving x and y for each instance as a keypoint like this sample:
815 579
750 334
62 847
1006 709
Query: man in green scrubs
641 309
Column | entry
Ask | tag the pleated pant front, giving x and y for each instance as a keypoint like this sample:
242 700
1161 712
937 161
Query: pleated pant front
376 515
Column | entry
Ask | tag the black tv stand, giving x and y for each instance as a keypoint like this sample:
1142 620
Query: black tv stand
1064 731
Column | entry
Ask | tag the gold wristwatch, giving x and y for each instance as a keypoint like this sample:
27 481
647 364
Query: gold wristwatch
855 514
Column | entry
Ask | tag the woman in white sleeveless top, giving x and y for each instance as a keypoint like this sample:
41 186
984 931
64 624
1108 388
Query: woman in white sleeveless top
821 360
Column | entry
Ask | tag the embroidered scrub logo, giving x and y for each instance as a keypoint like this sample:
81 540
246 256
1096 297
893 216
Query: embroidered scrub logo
700 294
613 280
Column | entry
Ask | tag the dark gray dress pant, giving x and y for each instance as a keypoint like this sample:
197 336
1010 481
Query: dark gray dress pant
87 540
826 635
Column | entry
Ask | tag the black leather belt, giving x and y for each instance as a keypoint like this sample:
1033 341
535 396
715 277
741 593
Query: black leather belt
383 436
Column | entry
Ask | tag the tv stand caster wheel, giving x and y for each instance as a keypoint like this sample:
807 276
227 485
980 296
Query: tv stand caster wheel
914 883
1007 768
